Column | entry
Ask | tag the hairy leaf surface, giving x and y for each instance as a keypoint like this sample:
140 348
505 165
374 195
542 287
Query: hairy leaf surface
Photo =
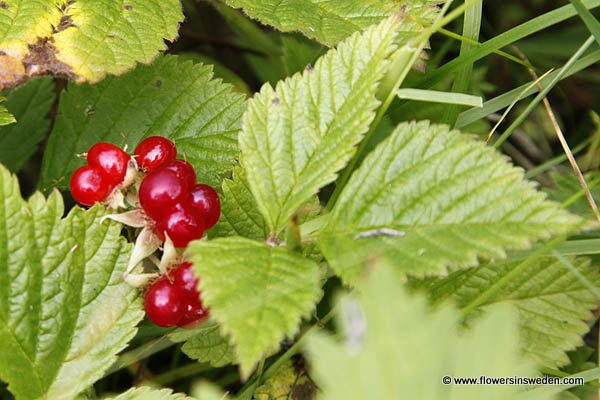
83 39
178 100
65 311
296 137
257 293
430 199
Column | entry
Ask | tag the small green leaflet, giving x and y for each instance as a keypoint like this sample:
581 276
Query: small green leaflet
257 293
171 98
30 104
288 382
65 311
430 198
553 306
395 347
205 344
329 22
83 39
239 212
296 137
6 118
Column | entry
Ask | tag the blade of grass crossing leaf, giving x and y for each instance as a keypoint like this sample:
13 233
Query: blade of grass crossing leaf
476 43
499 102
540 169
515 101
402 65
578 274
588 19
435 96
511 36
580 192
545 92
471 26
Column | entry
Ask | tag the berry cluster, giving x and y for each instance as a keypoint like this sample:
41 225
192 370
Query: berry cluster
174 299
105 170
170 196
172 205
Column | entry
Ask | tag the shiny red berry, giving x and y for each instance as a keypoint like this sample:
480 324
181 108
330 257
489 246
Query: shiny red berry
183 277
110 159
160 191
205 199
164 304
90 185
195 314
182 223
154 151
183 169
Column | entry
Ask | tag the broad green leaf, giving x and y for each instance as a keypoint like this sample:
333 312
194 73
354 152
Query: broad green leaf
329 22
30 105
178 100
148 393
205 344
395 347
239 212
65 311
431 198
257 293
288 382
296 137
553 305
83 39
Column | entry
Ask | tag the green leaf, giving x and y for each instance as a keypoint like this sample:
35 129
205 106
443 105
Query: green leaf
239 212
30 104
390 337
178 100
65 311
147 393
205 344
553 305
257 293
332 21
83 39
6 118
431 198
288 382
296 137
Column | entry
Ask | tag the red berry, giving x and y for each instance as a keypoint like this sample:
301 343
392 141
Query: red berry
194 312
183 277
205 199
183 224
163 303
89 185
183 169
110 159
154 151
160 191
